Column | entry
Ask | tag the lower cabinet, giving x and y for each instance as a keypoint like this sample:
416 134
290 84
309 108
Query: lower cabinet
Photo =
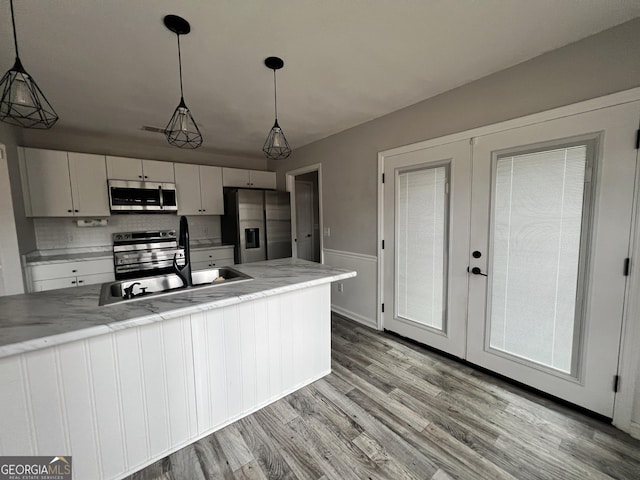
118 401
69 274
202 259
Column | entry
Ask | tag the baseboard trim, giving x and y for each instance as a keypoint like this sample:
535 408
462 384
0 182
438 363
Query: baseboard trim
354 316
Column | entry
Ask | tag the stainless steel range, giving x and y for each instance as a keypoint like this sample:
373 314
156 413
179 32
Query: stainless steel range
141 254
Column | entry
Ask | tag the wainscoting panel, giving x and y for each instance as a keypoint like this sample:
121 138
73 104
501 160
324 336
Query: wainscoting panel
359 298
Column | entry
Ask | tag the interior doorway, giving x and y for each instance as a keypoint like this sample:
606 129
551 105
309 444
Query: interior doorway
306 212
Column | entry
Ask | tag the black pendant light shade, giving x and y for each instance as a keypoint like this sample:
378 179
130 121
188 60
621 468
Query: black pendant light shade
22 102
276 146
181 130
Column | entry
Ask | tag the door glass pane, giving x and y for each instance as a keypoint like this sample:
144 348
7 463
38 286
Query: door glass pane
420 245
537 226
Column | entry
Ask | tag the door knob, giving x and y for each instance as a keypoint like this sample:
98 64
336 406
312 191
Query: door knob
476 271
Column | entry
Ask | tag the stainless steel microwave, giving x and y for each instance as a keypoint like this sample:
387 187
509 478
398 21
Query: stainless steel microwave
127 196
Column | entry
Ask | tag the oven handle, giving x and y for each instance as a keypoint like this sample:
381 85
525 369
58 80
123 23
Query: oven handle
161 196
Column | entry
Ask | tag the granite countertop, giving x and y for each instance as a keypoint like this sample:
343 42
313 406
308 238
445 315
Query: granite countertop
207 244
38 259
98 253
38 320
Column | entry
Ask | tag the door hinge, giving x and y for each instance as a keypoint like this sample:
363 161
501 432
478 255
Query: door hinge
616 383
383 178
638 139
627 267
383 308
382 244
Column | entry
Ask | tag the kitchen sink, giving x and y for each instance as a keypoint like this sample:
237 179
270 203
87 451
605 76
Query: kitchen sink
160 285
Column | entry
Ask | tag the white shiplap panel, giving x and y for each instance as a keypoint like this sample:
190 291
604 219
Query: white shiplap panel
248 340
274 342
217 368
155 388
288 363
133 401
81 418
202 373
179 371
107 405
46 406
233 361
262 352
15 429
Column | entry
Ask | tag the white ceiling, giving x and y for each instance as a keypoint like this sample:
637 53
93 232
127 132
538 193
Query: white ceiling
111 66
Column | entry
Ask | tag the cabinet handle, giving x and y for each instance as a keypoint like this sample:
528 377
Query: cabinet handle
76 211
199 210
146 176
74 271
70 211
80 281
204 209
139 176
73 282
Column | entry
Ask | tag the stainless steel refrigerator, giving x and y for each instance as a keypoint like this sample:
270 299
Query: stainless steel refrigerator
258 223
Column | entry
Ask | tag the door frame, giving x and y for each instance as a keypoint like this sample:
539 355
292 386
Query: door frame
630 356
290 178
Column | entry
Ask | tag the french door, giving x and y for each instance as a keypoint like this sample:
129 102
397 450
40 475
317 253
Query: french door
509 250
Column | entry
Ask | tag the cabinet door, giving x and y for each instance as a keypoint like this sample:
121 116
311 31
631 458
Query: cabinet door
49 183
200 265
188 189
122 168
235 177
155 171
211 190
89 184
260 179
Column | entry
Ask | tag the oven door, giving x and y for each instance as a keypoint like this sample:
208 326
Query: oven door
142 197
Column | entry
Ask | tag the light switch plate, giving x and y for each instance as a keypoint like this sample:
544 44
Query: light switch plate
327 231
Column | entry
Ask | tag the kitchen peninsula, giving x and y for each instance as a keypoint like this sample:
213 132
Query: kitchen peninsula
120 386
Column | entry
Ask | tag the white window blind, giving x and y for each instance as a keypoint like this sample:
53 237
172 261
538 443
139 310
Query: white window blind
537 226
420 245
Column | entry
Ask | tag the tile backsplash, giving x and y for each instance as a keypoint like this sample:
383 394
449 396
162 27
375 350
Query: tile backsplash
60 233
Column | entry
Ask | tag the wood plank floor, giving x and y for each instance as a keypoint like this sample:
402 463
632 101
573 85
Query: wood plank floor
392 410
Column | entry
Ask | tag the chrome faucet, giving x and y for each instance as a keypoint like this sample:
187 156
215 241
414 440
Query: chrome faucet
183 272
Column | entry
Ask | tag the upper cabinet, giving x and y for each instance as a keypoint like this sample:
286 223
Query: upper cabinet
62 184
123 168
199 189
237 177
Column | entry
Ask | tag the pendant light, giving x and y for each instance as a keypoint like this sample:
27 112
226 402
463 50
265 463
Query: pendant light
22 102
181 130
276 146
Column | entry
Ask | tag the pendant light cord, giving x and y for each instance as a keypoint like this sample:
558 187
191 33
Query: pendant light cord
275 94
180 66
13 22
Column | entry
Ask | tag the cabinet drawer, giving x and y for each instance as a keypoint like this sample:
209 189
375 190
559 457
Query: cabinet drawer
96 278
199 265
205 255
71 269
42 285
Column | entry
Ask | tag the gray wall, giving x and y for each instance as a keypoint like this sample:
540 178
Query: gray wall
598 65
12 137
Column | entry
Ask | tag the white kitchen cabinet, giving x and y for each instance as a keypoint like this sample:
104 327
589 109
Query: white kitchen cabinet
237 177
203 258
64 184
199 189
69 274
123 168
